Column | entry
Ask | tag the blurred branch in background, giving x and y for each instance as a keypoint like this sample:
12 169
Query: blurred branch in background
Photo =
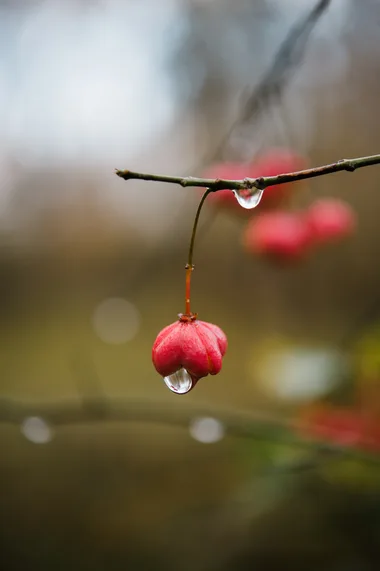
275 80
287 60
256 426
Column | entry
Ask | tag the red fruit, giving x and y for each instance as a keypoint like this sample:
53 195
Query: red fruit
188 350
345 427
284 235
331 219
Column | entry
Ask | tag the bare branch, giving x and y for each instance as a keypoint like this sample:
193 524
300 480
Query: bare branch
288 57
253 425
272 86
349 165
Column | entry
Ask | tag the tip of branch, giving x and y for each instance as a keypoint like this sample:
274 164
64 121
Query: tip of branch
125 174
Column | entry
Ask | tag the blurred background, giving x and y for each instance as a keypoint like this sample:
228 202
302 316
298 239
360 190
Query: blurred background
92 268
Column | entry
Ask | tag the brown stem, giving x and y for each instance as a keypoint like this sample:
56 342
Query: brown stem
189 269
189 266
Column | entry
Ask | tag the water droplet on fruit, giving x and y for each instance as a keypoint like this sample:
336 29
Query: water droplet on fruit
179 382
248 198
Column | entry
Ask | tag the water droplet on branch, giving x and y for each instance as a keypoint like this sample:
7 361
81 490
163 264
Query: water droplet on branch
248 198
179 382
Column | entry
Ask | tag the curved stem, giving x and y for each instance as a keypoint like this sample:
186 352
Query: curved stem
189 269
189 266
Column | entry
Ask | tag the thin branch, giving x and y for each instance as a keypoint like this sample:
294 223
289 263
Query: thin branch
287 59
272 86
243 425
214 185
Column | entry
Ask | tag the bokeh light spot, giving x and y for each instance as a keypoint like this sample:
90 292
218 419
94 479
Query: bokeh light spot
36 430
116 320
206 430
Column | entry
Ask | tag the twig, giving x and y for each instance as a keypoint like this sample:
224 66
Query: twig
253 425
214 185
289 55
276 79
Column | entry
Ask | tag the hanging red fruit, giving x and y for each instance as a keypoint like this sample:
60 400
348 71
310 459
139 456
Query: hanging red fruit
279 234
331 219
188 350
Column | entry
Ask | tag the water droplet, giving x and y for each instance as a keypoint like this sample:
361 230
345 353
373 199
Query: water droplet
248 198
179 382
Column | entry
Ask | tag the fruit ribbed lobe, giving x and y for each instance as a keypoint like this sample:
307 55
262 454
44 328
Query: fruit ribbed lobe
194 345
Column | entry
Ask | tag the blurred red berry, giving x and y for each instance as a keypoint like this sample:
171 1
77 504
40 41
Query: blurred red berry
331 219
280 234
270 163
343 426
188 350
